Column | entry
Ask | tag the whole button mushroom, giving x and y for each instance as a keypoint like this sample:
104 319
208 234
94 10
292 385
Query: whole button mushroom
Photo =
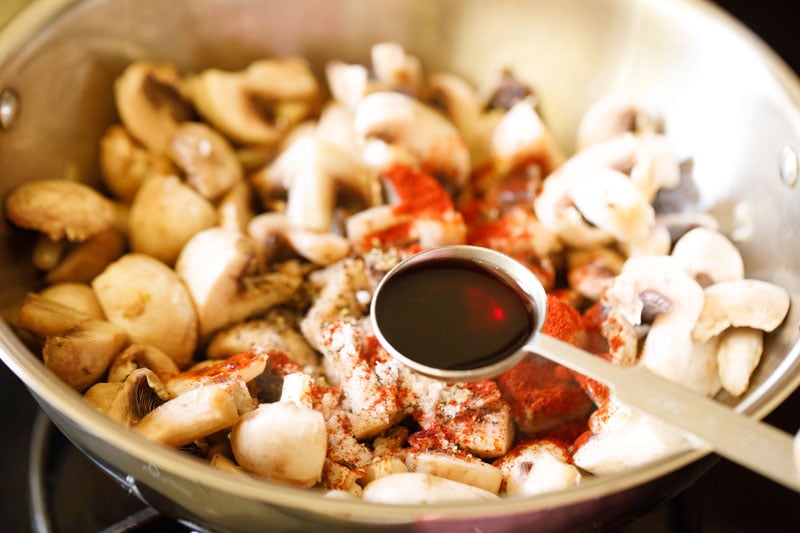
146 298
282 441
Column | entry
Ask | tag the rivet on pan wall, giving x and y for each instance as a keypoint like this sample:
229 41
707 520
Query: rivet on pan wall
9 108
789 165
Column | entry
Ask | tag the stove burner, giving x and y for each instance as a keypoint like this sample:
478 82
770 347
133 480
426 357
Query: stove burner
70 493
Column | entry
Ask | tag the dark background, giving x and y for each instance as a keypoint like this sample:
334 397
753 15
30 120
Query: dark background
727 499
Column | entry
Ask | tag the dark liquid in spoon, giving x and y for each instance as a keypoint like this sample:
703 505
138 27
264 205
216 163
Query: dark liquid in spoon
453 314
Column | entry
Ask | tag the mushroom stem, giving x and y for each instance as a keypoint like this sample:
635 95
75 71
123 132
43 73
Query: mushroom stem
190 416
77 348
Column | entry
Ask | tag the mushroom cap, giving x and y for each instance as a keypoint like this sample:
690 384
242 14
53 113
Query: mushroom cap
125 164
60 208
85 260
521 137
402 120
281 441
609 200
257 105
147 299
537 466
708 256
165 214
79 296
658 280
141 392
745 302
150 102
206 157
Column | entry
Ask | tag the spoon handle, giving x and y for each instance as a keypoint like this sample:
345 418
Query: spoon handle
746 441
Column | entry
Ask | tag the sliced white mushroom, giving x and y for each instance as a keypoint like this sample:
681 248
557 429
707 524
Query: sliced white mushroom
371 221
657 286
536 467
60 208
396 68
83 261
219 268
321 248
679 223
623 439
259 104
151 103
298 388
77 348
125 164
521 137
138 356
746 302
653 285
79 296
558 214
704 376
149 302
312 171
243 367
206 157
101 394
611 116
657 241
709 256
349 83
190 416
738 354
47 253
283 442
141 392
611 201
428 136
415 488
590 271
657 166
460 102
336 126
165 215
468 470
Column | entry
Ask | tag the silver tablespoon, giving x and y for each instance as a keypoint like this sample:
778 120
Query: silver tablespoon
748 442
